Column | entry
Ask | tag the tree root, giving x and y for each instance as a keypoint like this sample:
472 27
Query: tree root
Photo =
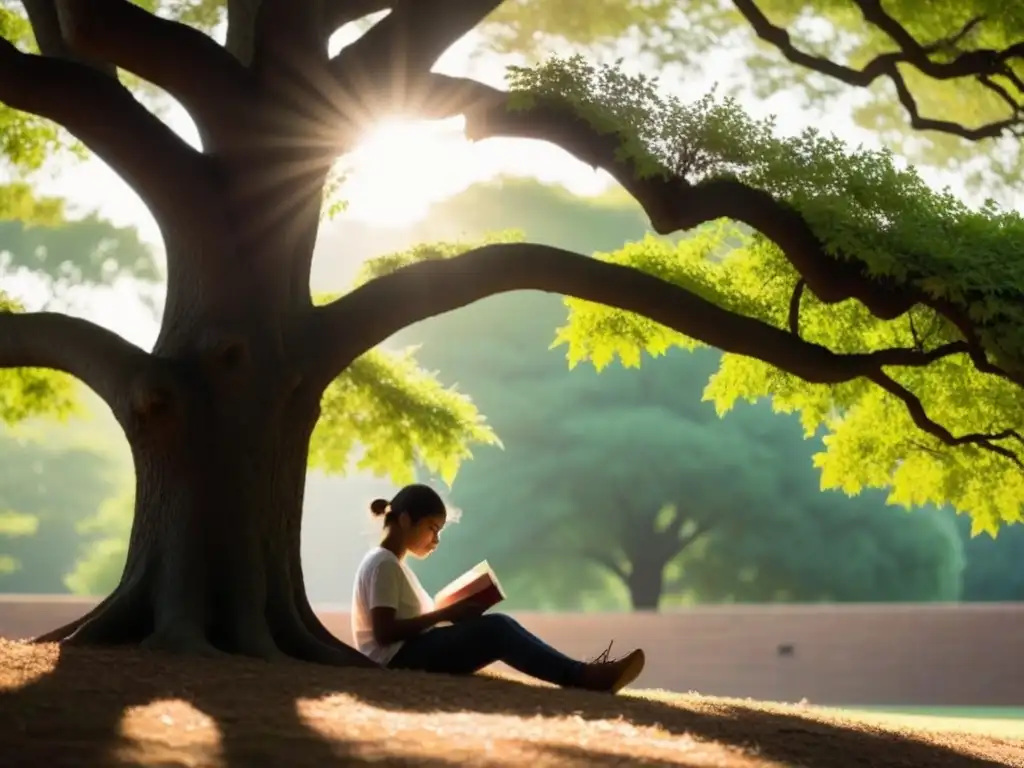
288 621
179 640
314 626
286 629
63 632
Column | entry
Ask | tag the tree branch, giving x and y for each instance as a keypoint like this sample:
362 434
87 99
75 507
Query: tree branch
239 38
208 81
101 359
920 417
980 64
702 527
607 562
794 306
351 325
42 16
388 65
165 171
288 42
672 203
675 529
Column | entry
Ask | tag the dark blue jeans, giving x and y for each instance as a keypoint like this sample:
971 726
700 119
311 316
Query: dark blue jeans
470 645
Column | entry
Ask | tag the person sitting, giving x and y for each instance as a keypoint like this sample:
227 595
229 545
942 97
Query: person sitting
394 621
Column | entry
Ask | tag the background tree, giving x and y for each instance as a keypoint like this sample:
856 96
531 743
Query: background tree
46 510
89 252
994 571
628 472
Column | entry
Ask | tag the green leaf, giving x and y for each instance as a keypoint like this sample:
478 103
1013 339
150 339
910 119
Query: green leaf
390 415
864 208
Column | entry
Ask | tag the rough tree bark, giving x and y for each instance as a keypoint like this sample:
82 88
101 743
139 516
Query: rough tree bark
219 414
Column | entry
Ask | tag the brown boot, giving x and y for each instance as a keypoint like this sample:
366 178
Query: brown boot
611 676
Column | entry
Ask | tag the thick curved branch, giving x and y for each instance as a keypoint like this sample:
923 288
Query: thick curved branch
672 203
981 64
926 424
99 358
369 315
288 42
45 23
208 81
385 69
358 321
165 171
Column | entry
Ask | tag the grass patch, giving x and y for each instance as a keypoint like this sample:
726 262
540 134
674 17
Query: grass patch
125 708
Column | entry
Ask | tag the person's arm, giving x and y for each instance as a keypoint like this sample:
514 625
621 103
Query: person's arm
386 586
388 629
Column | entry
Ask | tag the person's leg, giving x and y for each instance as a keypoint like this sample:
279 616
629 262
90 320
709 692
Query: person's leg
448 650
471 645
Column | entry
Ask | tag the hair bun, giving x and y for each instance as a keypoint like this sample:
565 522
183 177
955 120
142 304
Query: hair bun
379 507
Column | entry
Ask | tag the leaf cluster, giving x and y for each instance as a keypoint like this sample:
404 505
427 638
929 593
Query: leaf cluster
863 207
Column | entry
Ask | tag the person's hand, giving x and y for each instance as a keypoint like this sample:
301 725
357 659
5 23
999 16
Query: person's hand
465 609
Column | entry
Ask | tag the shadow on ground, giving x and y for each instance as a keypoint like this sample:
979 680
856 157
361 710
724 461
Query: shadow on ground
71 711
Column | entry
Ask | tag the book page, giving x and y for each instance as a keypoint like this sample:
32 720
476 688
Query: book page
478 582
480 569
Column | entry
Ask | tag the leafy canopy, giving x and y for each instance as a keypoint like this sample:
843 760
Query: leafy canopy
862 206
395 414
687 33
400 415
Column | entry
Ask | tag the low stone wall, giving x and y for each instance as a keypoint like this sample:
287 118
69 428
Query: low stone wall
921 655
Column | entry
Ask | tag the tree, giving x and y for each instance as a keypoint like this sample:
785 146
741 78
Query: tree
812 546
221 413
955 70
630 472
993 572
89 251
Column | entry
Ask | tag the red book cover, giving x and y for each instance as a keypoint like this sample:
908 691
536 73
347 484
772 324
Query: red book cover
479 583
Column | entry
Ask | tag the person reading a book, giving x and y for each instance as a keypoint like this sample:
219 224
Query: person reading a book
397 624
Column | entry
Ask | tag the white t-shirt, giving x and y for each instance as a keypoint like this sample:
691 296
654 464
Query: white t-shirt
384 581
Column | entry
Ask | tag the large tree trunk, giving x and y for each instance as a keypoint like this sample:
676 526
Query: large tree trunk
220 415
220 445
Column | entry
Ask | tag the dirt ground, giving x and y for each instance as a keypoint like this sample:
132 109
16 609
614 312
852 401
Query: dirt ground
126 708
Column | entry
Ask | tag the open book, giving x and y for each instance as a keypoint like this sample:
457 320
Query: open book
479 584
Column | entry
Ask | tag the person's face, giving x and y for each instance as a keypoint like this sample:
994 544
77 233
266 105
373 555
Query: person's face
422 538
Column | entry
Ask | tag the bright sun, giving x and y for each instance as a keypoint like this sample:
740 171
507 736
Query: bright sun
401 168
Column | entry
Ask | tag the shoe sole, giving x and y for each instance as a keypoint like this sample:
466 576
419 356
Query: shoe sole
631 672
